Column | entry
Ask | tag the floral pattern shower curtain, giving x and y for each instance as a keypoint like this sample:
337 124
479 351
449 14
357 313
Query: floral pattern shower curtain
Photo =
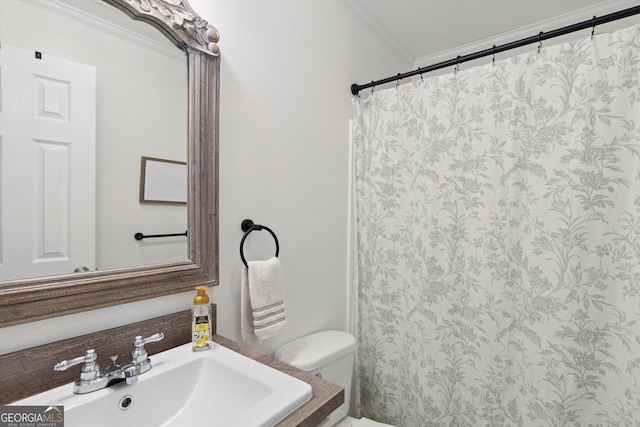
498 244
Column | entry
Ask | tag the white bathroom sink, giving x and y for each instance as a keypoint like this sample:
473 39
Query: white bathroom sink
218 387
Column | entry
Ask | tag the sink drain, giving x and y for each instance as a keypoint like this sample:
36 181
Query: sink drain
126 402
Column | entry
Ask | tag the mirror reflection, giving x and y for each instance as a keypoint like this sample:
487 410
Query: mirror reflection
105 92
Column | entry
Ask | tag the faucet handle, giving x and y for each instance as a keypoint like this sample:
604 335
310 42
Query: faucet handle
139 353
90 369
90 356
153 338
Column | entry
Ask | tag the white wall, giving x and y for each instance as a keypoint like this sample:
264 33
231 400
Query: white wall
284 129
284 126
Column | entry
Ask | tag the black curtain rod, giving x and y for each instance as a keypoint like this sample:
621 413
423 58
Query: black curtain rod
592 23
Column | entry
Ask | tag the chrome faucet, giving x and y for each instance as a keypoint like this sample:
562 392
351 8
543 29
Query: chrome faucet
93 378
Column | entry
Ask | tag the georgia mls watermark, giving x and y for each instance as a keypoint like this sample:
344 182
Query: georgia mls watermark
31 416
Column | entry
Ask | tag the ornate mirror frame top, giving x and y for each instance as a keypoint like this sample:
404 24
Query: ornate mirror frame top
28 300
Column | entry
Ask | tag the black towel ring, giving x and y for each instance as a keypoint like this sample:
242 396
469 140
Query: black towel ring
248 226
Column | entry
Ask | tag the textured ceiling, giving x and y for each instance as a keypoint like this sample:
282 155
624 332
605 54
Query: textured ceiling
419 29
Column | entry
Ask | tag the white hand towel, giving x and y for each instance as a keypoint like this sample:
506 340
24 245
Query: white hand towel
262 300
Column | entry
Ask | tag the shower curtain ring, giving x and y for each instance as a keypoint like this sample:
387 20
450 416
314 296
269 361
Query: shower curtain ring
593 27
493 60
540 41
457 68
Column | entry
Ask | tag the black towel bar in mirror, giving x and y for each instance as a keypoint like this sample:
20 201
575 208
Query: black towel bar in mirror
140 236
248 226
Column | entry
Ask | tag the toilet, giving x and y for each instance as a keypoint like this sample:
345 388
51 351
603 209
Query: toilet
330 355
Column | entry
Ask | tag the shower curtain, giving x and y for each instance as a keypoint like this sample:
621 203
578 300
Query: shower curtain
498 242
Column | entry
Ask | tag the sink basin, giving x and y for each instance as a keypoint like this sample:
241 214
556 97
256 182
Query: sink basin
216 388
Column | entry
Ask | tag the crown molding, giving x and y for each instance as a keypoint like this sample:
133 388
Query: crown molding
559 21
374 25
105 26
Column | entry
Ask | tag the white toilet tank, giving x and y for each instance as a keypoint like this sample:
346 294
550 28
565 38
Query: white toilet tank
328 354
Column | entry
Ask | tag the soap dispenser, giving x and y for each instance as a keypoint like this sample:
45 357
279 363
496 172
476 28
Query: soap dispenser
201 322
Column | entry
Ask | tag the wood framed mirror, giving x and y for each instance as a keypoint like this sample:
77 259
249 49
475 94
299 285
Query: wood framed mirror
27 300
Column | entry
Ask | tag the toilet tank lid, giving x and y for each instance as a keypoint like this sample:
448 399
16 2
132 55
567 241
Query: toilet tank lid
316 350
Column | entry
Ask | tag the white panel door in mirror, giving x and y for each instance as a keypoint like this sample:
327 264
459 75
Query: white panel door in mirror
48 165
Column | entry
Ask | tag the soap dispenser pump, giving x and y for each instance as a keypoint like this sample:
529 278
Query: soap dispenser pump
201 322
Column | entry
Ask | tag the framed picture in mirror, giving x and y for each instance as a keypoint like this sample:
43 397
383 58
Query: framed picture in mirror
163 181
